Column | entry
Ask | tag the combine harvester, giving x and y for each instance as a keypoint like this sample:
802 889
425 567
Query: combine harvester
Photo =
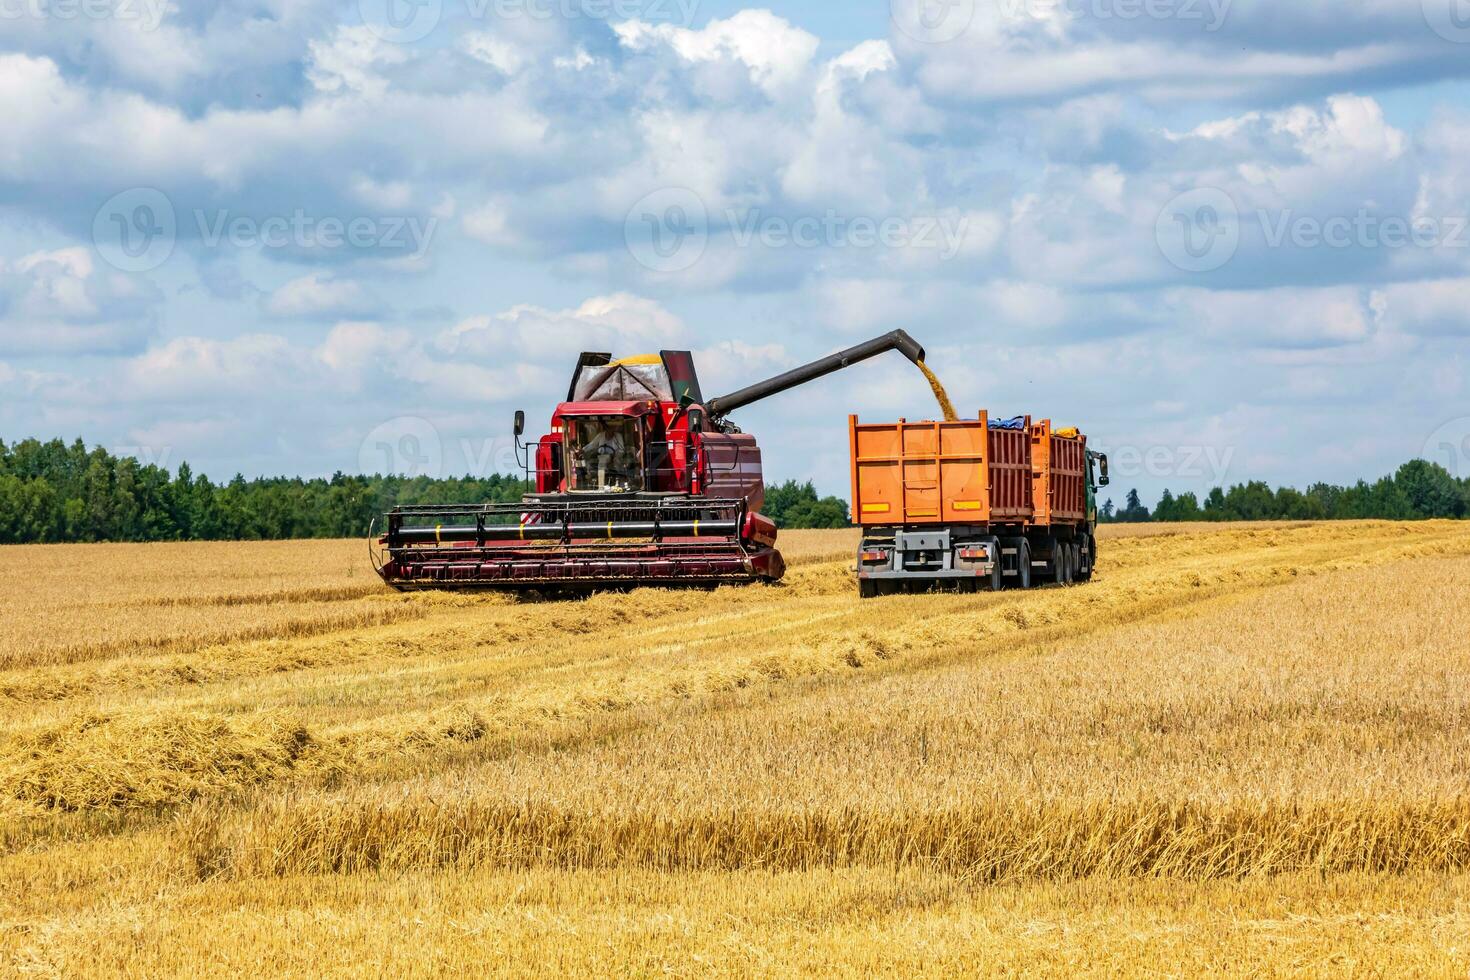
640 482
973 504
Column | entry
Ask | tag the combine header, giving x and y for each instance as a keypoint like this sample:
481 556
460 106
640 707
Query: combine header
641 481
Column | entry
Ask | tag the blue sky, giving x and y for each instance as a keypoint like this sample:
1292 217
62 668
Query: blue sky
1226 237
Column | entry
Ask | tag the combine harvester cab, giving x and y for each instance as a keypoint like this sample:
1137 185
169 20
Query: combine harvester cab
639 482
972 504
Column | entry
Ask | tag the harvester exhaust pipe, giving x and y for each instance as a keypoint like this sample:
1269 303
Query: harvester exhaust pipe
897 340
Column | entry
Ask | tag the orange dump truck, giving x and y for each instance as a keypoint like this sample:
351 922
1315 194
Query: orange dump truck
972 504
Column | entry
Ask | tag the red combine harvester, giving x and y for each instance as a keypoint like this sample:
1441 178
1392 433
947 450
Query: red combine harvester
640 482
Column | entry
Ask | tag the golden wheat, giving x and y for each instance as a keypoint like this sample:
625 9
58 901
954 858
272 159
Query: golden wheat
261 756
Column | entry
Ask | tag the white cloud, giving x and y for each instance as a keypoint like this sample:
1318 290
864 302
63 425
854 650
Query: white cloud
1432 308
319 295
620 323
776 54
349 62
202 368
1277 318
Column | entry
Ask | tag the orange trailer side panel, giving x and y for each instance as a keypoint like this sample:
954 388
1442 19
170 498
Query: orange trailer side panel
1059 474
962 472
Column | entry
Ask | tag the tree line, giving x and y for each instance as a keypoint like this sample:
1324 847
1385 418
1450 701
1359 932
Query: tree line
1418 491
52 492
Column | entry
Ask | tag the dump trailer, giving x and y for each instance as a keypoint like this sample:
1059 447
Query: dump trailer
971 505
641 481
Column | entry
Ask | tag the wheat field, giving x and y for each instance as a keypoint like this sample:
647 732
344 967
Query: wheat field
1242 749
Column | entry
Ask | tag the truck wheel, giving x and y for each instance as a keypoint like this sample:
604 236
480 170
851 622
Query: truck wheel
867 589
996 581
1060 570
1023 565
1087 563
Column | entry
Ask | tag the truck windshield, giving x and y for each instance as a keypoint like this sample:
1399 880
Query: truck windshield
606 455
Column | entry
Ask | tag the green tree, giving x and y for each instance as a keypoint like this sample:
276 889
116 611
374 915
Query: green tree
1134 511
796 505
1430 490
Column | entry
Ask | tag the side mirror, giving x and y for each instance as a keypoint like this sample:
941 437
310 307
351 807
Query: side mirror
1102 469
696 421
520 425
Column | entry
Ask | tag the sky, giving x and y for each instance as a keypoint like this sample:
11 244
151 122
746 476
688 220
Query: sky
1226 238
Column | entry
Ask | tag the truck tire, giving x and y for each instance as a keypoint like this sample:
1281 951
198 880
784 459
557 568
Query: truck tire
996 581
868 589
1060 573
1088 563
1023 564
